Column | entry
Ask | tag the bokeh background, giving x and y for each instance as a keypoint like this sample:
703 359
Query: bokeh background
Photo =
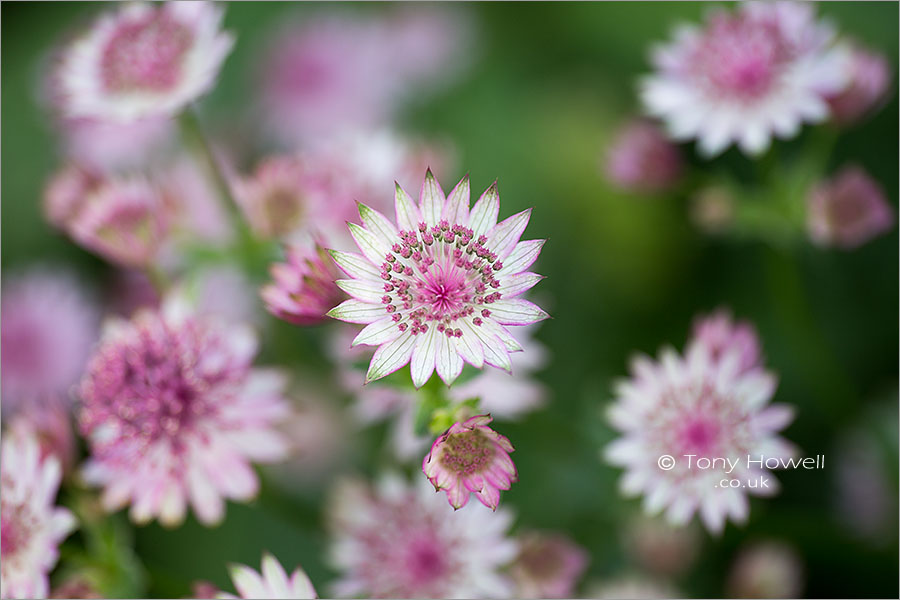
545 89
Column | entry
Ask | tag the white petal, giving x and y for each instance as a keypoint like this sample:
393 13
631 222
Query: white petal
516 311
484 214
408 215
390 357
371 245
513 285
423 356
522 257
431 200
503 238
377 333
456 209
355 265
449 363
378 224
363 290
354 311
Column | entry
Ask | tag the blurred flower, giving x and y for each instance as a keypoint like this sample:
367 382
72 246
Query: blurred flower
436 277
721 336
32 526
108 146
273 582
471 457
67 191
204 589
712 209
661 547
77 587
870 76
304 287
766 570
401 541
48 324
703 406
142 61
641 159
632 587
744 76
174 412
848 210
51 425
335 74
548 566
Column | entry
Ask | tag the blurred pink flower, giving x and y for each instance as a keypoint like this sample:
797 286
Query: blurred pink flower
423 292
848 210
401 541
67 192
641 159
109 146
51 425
766 570
870 77
549 565
471 457
745 76
48 324
304 288
142 61
32 526
721 335
661 547
174 412
693 408
271 582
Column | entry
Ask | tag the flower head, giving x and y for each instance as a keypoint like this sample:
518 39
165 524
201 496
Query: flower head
870 76
696 408
31 526
848 210
440 287
642 159
272 582
471 457
402 541
67 192
744 76
143 61
304 287
174 412
548 566
48 324
721 336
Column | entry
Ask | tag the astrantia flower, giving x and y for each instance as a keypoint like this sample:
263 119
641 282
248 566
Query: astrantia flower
67 192
304 287
471 457
721 336
143 61
174 412
548 566
32 526
440 287
745 76
47 326
400 541
848 210
691 408
870 76
641 159
272 582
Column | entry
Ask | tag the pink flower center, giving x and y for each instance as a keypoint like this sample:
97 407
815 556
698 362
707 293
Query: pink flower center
467 452
425 560
146 54
436 276
699 436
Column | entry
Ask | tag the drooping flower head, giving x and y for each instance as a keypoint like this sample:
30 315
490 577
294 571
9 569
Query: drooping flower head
641 159
470 457
142 61
304 287
870 78
174 412
548 566
402 541
721 335
439 288
31 526
271 582
744 76
848 210
696 408
47 326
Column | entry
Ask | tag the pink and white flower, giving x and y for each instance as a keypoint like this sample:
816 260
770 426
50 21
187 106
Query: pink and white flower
692 408
403 541
440 287
848 210
142 61
642 159
32 525
174 413
745 76
48 324
470 457
271 582
721 336
549 565
870 77
304 287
